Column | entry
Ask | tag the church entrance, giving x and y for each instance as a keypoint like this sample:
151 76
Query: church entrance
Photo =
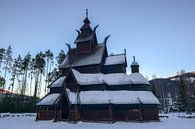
65 109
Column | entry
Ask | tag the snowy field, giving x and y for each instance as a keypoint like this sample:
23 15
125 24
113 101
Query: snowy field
27 121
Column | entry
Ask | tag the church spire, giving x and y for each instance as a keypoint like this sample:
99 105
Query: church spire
86 33
86 22
86 12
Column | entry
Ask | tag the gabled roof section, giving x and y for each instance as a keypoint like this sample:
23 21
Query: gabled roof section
58 83
74 60
83 38
115 59
50 99
88 79
138 78
109 79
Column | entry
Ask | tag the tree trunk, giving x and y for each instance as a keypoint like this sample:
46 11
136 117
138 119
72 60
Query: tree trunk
40 83
30 83
46 80
36 85
25 80
13 84
0 67
5 73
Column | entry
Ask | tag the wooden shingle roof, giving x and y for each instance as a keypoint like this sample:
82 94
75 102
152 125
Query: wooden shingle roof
74 60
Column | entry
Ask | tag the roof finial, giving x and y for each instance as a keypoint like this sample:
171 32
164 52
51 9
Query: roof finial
125 51
106 38
86 12
133 58
68 45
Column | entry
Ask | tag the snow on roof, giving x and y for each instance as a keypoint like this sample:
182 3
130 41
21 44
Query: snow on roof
91 97
87 79
72 96
115 59
117 79
109 79
146 97
74 60
134 63
113 97
50 99
138 78
123 97
58 82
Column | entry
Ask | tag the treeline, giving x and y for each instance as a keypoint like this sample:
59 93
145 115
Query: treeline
26 76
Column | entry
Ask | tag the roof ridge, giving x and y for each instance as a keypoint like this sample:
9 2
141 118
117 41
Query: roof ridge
117 54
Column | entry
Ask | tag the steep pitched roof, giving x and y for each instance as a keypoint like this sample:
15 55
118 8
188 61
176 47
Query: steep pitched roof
50 99
86 33
115 59
58 83
74 60
83 38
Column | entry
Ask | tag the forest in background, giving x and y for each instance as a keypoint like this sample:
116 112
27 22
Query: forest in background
24 79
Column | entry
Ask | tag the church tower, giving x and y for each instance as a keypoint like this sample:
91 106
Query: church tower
86 39
134 66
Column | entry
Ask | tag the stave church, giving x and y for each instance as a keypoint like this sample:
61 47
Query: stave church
94 86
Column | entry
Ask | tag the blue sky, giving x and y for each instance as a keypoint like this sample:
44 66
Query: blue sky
160 33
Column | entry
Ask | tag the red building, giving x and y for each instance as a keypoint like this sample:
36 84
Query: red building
94 86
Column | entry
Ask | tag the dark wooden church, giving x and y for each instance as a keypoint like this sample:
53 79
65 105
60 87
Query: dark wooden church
94 86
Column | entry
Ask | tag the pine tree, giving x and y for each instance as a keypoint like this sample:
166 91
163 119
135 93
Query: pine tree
25 68
60 58
49 57
16 71
8 62
39 66
2 81
183 97
2 56
32 73
53 75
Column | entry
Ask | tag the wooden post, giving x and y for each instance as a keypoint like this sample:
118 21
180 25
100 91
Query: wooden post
54 114
110 112
141 112
69 116
60 115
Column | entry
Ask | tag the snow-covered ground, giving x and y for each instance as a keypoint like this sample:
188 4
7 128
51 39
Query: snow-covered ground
27 121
